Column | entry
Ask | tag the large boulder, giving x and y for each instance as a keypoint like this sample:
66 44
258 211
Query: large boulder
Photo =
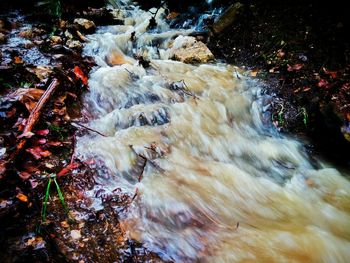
188 50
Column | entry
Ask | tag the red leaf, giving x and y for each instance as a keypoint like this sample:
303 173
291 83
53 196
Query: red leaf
38 152
43 132
41 141
333 74
322 83
25 175
79 74
68 168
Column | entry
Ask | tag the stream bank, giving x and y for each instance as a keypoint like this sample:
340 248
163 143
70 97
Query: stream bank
92 236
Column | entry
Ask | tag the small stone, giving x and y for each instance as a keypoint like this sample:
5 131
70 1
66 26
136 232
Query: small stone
62 24
74 44
68 34
26 33
85 23
75 234
56 39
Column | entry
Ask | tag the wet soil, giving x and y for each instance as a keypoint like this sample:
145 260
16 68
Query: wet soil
68 231
301 49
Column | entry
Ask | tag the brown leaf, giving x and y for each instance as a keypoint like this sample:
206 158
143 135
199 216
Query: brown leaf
28 97
37 152
294 67
22 197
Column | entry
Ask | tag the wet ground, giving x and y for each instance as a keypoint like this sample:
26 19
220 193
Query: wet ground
307 66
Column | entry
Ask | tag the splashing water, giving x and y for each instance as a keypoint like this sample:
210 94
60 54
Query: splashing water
215 183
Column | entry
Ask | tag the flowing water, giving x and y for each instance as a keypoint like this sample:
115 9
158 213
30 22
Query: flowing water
214 181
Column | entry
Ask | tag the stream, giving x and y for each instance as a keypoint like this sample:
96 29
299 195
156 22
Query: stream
212 179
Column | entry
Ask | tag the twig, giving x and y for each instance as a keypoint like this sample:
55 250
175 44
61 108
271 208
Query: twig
35 114
88 128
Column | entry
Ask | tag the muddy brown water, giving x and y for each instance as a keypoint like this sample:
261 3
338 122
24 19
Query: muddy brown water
214 181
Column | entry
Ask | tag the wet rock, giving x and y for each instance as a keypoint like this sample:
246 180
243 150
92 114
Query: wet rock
56 39
26 33
85 24
117 14
68 34
62 24
2 38
189 50
74 44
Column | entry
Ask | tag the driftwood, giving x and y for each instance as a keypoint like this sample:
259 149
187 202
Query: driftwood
35 114
227 18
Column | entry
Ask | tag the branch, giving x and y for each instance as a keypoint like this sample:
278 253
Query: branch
35 114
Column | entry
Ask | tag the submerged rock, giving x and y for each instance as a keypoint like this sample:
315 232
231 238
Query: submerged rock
189 50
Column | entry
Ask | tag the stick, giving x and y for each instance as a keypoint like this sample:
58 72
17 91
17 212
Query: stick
88 128
35 114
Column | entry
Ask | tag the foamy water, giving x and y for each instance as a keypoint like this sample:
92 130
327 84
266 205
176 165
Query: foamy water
215 182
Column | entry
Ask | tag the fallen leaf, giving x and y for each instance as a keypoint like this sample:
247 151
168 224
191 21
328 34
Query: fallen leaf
68 168
322 83
37 152
22 197
17 60
26 135
294 67
28 97
25 175
41 141
333 74
55 144
79 74
42 132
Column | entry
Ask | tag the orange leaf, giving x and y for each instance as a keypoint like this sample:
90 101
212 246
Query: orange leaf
68 168
79 74
22 197
17 60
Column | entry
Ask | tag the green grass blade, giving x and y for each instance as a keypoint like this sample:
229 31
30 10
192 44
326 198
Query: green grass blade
60 196
47 194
